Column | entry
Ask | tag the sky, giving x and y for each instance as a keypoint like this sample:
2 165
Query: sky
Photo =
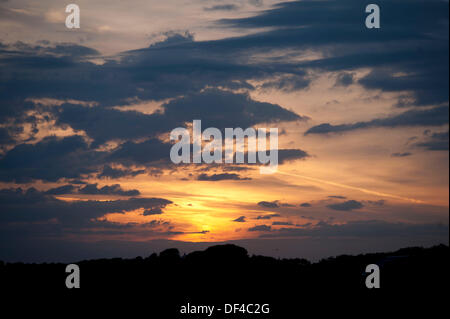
85 118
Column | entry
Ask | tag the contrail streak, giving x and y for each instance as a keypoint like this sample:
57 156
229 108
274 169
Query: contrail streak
363 190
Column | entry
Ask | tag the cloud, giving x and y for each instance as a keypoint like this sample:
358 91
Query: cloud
305 205
287 155
50 159
167 69
286 205
32 205
413 57
378 203
404 154
78 182
288 83
436 116
45 49
153 211
209 106
346 206
113 173
345 79
5 136
72 157
262 217
265 204
173 38
256 3
260 228
304 225
364 229
62 190
418 49
240 219
144 153
223 7
408 56
435 141
98 122
54 158
282 224
179 68
92 189
221 177
221 109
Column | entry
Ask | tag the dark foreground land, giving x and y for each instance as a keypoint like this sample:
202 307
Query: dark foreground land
158 286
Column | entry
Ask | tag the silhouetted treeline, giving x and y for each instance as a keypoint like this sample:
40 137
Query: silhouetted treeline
227 274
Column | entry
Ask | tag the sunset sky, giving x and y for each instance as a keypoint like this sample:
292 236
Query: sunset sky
85 117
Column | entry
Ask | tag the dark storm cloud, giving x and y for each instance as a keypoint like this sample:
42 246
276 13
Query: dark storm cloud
436 116
92 189
305 205
346 206
32 205
221 177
